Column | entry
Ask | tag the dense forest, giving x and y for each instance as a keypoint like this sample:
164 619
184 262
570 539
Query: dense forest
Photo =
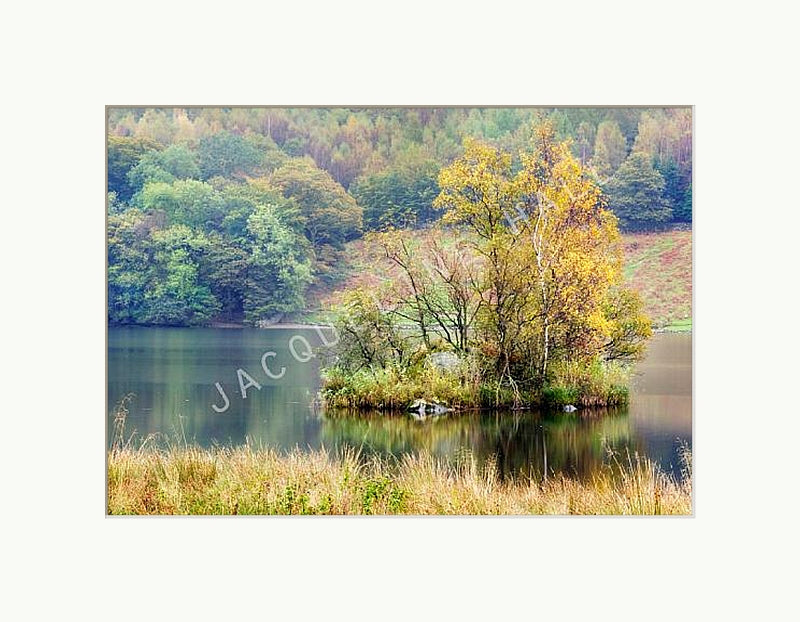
231 214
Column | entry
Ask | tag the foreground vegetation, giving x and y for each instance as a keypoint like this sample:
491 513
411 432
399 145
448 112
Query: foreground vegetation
263 481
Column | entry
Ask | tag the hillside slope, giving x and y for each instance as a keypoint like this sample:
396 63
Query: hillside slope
657 265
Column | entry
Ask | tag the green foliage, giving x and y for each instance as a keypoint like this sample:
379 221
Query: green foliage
683 212
559 395
636 194
174 162
175 296
368 337
241 200
176 274
211 169
610 149
330 215
629 326
677 189
124 154
113 203
383 491
187 202
394 388
153 274
596 383
128 265
666 137
356 144
398 196
225 269
278 269
227 154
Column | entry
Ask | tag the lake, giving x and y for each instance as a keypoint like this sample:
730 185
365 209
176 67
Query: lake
168 379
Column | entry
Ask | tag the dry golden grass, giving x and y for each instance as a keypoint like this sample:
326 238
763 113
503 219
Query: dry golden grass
257 481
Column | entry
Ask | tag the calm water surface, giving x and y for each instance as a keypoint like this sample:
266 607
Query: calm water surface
169 376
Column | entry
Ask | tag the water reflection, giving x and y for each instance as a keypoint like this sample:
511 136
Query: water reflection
171 375
525 444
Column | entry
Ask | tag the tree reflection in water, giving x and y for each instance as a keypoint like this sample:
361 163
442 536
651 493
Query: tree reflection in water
524 444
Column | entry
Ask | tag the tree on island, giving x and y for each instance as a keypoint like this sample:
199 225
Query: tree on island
549 305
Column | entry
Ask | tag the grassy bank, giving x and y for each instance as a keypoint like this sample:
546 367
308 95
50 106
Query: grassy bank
391 389
249 481
659 267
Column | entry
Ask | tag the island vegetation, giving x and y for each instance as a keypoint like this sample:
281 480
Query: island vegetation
528 301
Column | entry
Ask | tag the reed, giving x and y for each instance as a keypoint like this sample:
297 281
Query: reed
593 384
597 383
393 389
248 480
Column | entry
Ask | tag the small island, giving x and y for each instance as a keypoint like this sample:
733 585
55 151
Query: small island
515 299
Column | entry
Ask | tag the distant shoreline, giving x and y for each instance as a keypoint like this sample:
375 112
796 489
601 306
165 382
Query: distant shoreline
227 325
303 326
291 325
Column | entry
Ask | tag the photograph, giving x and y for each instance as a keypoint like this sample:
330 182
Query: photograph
399 310
429 310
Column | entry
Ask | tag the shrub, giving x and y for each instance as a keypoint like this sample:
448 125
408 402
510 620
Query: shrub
598 383
394 388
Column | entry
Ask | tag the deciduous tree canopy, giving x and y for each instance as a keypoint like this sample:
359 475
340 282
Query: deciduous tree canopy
326 175
544 292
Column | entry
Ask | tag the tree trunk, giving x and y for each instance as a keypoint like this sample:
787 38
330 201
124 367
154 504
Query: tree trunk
538 242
